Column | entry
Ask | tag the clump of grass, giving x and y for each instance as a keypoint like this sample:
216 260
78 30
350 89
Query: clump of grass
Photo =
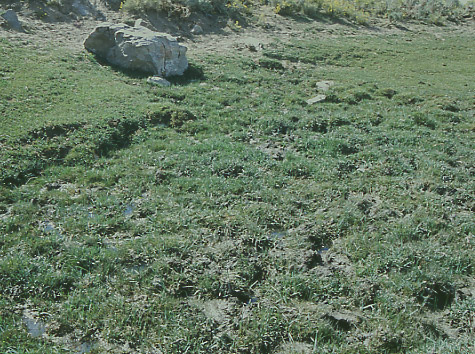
270 63
423 119
169 115
321 8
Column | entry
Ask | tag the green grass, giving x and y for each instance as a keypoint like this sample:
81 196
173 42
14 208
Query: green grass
57 115
226 215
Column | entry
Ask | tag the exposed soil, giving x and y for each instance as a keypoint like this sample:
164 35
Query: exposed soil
46 26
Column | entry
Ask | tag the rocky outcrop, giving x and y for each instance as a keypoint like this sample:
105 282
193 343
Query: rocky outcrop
138 48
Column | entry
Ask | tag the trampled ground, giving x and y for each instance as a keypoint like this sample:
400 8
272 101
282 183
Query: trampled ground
226 214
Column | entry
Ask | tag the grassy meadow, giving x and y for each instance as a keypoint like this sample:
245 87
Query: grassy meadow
225 214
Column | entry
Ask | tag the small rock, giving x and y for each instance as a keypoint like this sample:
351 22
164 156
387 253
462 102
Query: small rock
197 29
139 22
253 44
324 86
159 81
142 23
316 99
12 20
295 348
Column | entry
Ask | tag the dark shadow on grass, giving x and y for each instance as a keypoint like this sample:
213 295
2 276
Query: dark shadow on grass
100 141
301 18
135 74
192 74
401 27
323 18
339 21
113 135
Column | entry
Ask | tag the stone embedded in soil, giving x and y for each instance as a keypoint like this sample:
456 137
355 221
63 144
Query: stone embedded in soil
324 86
142 23
35 328
294 347
316 99
159 81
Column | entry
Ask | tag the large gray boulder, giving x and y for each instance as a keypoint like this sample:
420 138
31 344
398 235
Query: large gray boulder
138 48
12 20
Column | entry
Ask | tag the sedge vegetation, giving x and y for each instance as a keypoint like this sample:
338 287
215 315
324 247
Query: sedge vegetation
225 214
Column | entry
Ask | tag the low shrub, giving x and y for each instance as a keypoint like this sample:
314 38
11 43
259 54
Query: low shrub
360 11
183 8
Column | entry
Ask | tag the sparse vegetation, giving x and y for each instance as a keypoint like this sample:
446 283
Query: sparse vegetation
226 214
359 11
183 8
